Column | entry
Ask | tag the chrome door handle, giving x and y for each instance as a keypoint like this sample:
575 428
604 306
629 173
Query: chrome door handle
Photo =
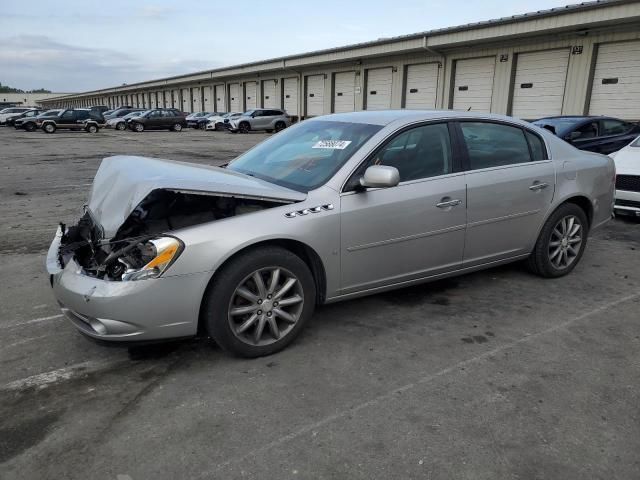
538 186
448 203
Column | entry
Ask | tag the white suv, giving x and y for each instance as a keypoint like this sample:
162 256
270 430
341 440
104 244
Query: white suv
268 119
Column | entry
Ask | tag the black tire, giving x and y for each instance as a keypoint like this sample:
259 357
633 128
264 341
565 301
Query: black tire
220 292
219 126
177 127
203 126
49 128
121 126
280 126
29 127
91 128
244 127
138 127
539 262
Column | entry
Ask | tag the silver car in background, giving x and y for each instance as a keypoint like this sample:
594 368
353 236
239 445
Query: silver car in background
332 208
267 119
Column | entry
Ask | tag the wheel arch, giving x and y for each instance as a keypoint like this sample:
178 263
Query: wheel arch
306 253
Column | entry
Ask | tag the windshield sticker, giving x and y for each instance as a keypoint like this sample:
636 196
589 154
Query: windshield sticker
332 144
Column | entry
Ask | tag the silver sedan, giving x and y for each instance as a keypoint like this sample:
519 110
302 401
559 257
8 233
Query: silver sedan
332 208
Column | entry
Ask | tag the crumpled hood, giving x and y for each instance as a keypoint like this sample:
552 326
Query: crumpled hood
123 181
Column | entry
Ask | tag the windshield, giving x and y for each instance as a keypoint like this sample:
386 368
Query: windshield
305 156
561 125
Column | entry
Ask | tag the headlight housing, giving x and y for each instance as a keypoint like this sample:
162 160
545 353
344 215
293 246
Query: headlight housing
158 254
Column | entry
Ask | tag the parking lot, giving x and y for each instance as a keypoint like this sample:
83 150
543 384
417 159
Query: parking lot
496 374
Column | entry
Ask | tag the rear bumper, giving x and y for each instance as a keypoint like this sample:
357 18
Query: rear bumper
627 203
143 310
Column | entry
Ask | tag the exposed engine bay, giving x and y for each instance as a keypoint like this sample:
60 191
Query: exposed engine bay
138 249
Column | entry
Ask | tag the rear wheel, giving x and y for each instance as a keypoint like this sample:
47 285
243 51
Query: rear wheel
29 127
561 242
120 126
259 302
177 127
92 128
138 127
49 128
280 126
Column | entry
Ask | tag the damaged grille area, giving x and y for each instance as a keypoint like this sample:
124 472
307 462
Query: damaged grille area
133 247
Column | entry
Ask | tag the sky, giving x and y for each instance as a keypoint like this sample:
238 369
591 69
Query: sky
80 45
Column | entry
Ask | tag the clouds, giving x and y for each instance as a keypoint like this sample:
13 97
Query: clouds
38 61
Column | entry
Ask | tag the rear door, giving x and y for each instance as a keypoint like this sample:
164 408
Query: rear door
510 186
67 119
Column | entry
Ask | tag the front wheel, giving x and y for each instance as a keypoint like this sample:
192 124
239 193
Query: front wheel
561 243
244 127
259 302
92 128
120 126
29 127
138 127
177 127
49 128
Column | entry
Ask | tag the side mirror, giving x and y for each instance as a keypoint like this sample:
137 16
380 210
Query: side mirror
380 176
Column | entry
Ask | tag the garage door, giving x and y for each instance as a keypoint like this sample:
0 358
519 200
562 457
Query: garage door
186 100
269 99
421 86
538 89
251 94
344 87
234 97
167 99
315 95
196 100
616 81
207 94
290 92
379 82
221 102
473 85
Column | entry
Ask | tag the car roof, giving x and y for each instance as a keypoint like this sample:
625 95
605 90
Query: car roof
386 117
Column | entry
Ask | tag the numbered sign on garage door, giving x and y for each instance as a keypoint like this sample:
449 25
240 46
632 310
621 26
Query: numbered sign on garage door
315 95
616 81
344 87
269 98
234 97
196 99
251 94
473 84
421 86
538 89
220 99
186 100
379 85
290 93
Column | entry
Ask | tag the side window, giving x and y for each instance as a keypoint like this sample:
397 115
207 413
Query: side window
421 152
83 115
538 151
68 115
494 144
614 127
588 130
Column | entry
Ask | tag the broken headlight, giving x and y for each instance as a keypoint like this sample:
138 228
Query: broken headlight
156 256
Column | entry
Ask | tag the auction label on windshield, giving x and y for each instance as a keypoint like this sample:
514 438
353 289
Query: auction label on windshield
332 144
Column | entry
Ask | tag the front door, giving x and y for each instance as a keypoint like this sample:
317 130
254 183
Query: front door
412 230
510 186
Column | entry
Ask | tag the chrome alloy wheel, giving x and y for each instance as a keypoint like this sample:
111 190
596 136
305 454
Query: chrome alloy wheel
265 306
565 242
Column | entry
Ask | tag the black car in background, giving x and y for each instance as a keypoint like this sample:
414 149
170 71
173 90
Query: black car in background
72 119
30 123
11 121
158 119
595 134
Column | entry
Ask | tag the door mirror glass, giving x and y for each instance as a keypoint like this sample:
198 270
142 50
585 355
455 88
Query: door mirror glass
380 176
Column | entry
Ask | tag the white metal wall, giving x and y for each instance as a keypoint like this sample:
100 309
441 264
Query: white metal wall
473 84
539 84
208 105
314 95
616 81
251 95
234 97
221 99
269 98
186 100
379 87
421 86
290 96
196 99
344 89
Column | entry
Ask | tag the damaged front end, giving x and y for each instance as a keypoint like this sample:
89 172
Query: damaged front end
142 247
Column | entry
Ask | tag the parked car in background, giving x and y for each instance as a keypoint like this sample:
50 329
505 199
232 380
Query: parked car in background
628 179
11 121
30 123
221 120
72 119
196 115
120 123
99 108
121 112
201 122
332 208
595 134
267 119
12 111
157 119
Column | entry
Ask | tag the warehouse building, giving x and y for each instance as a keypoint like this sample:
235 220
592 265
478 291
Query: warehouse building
27 99
575 60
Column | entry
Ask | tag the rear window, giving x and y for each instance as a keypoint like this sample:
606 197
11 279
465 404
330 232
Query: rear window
494 144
